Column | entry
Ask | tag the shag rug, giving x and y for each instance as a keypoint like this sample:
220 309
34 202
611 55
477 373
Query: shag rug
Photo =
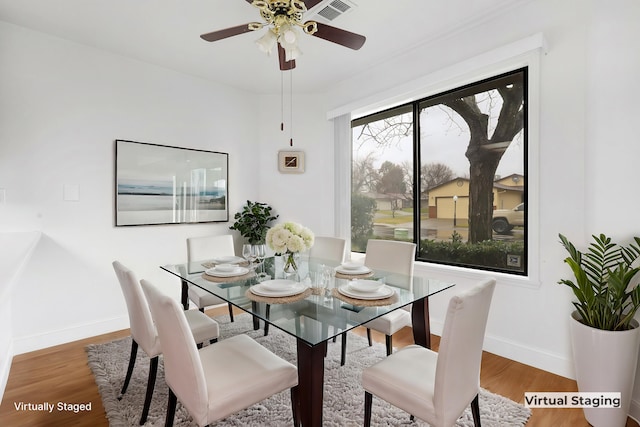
343 394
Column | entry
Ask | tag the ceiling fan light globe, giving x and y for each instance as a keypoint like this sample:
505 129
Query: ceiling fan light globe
292 53
267 42
290 36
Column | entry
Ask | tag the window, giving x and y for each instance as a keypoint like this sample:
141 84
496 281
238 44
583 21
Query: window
449 173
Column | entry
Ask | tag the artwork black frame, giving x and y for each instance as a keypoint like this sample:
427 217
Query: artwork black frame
159 184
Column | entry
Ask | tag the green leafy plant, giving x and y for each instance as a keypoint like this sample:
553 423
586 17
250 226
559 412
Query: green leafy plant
254 221
606 298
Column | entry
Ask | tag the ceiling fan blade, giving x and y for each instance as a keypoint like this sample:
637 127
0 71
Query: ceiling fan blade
227 32
282 57
342 37
309 3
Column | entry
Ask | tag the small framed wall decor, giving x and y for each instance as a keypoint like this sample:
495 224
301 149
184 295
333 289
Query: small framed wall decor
291 161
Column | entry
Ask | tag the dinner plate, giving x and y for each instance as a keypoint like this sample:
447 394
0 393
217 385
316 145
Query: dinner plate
366 286
239 271
228 260
278 284
381 293
362 269
295 289
226 267
350 266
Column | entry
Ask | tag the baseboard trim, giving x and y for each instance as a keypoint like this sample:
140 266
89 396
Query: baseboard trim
634 410
5 367
531 356
63 336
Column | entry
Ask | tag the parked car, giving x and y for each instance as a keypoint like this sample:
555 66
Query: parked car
505 219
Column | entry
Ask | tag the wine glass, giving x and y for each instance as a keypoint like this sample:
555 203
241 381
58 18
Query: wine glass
261 254
248 253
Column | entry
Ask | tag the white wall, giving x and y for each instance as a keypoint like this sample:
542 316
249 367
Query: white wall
307 198
62 107
15 253
612 154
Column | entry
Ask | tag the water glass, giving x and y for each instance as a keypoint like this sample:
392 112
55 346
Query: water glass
249 253
324 279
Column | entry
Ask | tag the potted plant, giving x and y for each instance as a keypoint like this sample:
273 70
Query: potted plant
253 221
605 336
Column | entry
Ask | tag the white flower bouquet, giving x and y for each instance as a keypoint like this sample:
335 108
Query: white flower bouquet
289 237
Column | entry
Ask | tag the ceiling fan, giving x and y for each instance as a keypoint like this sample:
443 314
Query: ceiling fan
283 18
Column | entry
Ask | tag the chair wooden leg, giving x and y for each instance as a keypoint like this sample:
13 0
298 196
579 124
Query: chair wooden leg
213 340
267 312
151 382
369 337
230 311
368 398
388 342
201 310
132 362
295 406
343 352
171 409
475 410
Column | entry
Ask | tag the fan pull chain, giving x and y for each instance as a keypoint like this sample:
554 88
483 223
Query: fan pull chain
281 101
291 106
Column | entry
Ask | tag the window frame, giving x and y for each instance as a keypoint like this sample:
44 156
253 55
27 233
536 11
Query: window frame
524 52
415 107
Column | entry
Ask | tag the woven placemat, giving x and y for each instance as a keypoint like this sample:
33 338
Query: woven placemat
211 264
278 300
364 302
354 276
228 279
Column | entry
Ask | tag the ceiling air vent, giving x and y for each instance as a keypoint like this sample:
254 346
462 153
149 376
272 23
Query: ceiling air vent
331 9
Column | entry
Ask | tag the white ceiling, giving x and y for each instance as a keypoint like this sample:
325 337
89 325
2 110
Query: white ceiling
166 33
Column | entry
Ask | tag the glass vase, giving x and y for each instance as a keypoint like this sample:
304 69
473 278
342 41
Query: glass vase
290 261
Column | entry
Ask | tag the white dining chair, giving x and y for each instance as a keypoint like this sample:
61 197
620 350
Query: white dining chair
325 248
207 248
145 335
437 387
219 380
395 260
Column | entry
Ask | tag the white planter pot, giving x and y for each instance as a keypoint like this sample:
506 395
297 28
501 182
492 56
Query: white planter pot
605 361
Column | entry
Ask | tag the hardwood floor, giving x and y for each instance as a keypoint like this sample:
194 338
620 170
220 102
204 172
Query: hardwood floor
60 374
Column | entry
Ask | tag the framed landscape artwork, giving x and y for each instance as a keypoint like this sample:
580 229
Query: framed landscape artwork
157 184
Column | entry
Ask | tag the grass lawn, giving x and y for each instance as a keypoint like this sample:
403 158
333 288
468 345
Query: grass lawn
402 217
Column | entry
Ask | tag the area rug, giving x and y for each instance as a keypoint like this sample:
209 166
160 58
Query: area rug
343 394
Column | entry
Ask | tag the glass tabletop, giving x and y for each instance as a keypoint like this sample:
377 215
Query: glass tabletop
318 314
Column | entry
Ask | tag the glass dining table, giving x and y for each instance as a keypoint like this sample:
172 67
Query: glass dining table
317 314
